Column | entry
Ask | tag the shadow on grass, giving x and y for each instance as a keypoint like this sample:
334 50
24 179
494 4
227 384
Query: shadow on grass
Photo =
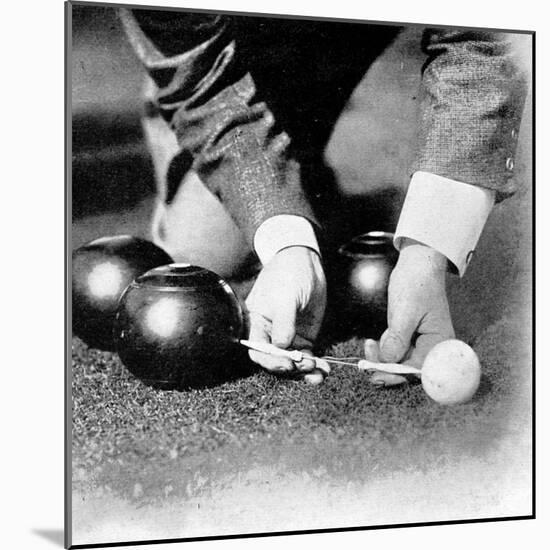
485 387
166 376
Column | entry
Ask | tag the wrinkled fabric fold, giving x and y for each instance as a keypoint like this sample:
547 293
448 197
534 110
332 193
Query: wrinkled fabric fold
224 132
472 97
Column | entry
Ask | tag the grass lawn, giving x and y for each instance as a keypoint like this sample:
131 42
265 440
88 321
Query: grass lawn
264 454
263 443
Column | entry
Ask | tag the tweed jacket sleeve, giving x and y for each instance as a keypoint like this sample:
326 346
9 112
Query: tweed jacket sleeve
472 97
225 132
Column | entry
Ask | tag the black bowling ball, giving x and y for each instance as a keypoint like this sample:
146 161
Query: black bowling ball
178 327
364 267
101 270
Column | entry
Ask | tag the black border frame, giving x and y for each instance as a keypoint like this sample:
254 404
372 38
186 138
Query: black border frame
67 303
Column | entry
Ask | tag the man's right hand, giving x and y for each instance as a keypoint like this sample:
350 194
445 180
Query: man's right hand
286 307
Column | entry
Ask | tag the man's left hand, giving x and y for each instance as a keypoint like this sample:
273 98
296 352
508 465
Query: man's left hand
418 309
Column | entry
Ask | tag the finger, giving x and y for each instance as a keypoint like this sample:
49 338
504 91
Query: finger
307 364
301 343
394 345
284 325
259 327
372 350
314 378
396 340
322 365
386 379
424 343
271 363
309 321
260 332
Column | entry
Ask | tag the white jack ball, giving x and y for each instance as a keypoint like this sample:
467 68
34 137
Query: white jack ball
451 372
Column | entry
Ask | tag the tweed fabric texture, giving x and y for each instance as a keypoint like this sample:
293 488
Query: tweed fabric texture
224 132
471 103
472 100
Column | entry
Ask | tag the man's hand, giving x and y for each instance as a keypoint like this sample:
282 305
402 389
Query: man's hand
418 310
286 306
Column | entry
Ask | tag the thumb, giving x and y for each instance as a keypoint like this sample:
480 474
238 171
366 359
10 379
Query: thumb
423 344
434 329
396 340
284 325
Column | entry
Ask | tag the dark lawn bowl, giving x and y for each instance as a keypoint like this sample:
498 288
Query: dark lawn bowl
364 267
101 271
178 327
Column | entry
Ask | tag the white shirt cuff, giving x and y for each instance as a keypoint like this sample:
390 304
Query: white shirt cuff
280 232
446 215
